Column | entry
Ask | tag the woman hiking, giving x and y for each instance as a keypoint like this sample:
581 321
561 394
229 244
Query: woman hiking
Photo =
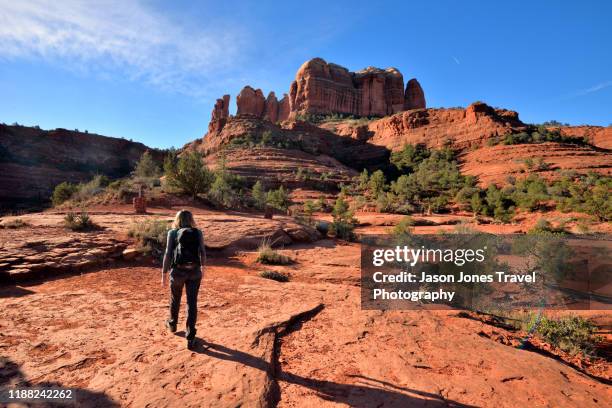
185 255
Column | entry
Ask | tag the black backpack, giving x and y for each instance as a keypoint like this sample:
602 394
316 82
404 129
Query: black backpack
187 248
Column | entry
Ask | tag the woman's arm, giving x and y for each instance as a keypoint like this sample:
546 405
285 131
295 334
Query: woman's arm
202 249
167 256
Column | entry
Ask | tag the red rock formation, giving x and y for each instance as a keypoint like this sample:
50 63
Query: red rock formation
323 88
34 161
320 87
250 102
596 135
463 128
326 88
271 108
493 164
414 98
283 108
219 114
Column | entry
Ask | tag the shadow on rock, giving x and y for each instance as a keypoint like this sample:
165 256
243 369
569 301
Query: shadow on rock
11 376
367 393
14 292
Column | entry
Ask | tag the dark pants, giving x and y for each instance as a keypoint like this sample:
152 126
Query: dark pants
191 280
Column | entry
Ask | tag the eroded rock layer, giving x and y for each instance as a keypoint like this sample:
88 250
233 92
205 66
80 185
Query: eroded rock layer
34 161
324 88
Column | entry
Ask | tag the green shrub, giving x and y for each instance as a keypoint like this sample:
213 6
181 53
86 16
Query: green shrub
267 255
93 187
63 192
146 167
278 199
309 208
258 195
344 223
404 227
376 184
276 276
188 173
79 221
409 157
573 334
150 235
544 226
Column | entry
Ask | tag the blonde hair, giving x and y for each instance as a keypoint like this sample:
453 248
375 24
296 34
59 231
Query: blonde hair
184 219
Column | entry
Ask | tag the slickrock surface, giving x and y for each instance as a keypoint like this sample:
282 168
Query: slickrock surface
596 135
494 164
46 248
305 343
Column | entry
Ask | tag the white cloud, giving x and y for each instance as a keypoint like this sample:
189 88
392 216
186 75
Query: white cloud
123 36
595 88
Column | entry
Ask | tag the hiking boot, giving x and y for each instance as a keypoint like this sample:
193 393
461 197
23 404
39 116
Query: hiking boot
171 326
191 343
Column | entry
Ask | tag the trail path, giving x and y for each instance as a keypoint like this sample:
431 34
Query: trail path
305 343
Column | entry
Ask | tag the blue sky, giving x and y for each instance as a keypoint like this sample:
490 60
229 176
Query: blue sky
151 70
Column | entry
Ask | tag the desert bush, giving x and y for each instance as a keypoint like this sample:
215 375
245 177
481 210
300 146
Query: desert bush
79 221
309 208
544 226
344 223
93 187
150 235
14 224
404 227
274 275
146 167
540 135
573 334
258 194
278 199
226 189
267 255
376 184
63 192
409 157
188 173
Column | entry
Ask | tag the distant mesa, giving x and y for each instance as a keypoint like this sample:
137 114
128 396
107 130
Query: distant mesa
324 88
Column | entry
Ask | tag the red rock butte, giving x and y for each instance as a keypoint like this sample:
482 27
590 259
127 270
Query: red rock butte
324 88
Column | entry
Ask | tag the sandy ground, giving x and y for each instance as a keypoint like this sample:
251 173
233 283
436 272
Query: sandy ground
305 343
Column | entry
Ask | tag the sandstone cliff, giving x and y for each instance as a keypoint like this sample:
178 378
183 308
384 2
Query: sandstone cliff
596 135
34 161
323 88
463 128
414 97
219 114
